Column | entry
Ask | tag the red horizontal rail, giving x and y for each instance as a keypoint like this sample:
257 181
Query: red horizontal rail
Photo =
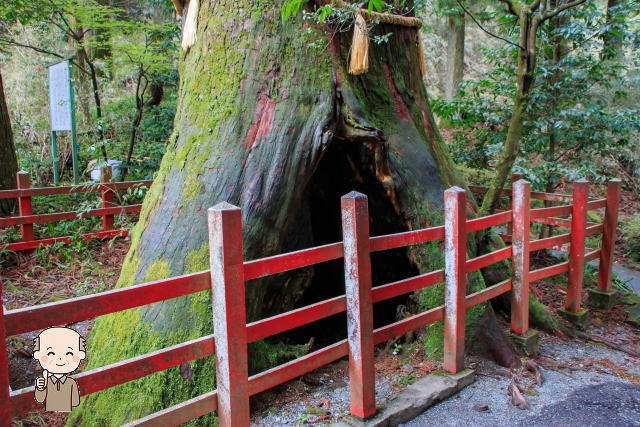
407 238
597 204
593 229
182 412
86 307
295 368
487 259
404 286
207 403
277 264
559 222
549 242
538 195
66 216
590 256
86 188
553 211
488 293
488 221
292 319
505 237
543 273
417 321
95 380
33 244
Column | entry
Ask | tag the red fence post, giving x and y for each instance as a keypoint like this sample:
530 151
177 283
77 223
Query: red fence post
357 277
107 199
514 178
576 252
5 396
609 235
24 205
521 206
455 257
229 314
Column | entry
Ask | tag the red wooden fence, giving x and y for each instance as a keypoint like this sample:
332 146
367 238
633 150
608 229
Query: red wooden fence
24 194
229 272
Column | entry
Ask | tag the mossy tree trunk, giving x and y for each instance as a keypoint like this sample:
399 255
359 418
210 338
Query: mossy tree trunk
8 157
269 119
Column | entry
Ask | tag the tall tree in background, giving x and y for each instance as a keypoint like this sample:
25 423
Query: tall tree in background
529 18
455 53
270 120
8 159
612 37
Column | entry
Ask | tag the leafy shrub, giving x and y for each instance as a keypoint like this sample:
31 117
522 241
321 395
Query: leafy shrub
631 237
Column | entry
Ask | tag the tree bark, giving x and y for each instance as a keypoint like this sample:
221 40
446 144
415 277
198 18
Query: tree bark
7 155
455 54
269 123
612 43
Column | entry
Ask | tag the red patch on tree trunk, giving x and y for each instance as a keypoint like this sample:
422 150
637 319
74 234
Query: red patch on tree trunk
401 108
262 121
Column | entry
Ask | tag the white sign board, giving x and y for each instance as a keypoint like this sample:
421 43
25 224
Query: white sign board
60 96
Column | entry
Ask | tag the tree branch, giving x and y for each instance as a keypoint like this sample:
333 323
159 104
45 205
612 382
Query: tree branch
35 48
510 7
560 9
487 31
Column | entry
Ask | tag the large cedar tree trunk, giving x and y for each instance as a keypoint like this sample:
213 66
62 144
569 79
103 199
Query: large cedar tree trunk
8 159
269 120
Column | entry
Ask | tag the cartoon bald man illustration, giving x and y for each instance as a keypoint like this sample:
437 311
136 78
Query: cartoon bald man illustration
59 351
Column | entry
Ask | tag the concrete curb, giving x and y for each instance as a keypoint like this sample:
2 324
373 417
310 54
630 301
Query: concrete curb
413 400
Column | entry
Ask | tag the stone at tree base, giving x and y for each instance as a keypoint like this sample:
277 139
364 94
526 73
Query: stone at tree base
419 396
602 299
579 319
527 343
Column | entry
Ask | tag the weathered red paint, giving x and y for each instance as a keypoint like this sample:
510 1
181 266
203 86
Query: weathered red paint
398 240
417 321
127 370
5 406
357 278
515 177
24 205
552 211
88 188
65 216
229 314
180 413
488 293
405 286
543 273
537 195
228 267
292 319
455 255
549 242
520 242
596 204
609 234
99 235
107 199
278 263
558 222
89 306
576 252
295 368
487 259
478 224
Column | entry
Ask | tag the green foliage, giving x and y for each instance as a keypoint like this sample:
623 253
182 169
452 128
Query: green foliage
631 236
579 114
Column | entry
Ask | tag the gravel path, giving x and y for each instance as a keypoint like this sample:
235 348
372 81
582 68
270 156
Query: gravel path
587 397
